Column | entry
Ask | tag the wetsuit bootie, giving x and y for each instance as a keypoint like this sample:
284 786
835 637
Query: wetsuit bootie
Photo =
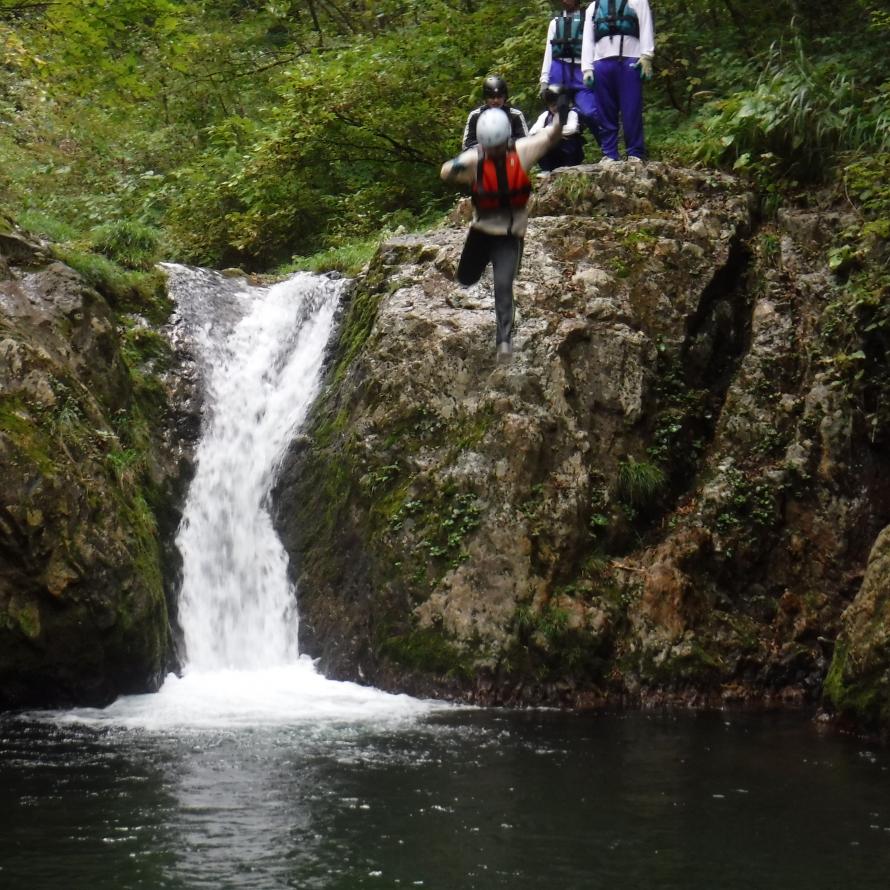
504 352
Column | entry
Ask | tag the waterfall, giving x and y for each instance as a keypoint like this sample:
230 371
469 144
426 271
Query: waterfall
260 373
259 352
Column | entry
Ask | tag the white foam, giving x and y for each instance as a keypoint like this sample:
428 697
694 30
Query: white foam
288 695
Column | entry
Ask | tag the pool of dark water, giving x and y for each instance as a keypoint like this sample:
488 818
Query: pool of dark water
462 799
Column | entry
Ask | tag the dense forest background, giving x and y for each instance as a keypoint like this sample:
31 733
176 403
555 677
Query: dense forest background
263 132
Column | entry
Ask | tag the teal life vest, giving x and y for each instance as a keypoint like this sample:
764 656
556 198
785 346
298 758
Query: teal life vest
613 18
567 35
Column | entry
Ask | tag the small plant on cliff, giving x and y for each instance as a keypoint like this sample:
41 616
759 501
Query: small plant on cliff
447 529
749 501
639 483
381 478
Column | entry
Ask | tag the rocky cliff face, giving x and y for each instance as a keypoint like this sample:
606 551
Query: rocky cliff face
671 492
86 472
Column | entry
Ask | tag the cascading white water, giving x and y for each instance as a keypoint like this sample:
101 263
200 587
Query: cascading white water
236 606
259 352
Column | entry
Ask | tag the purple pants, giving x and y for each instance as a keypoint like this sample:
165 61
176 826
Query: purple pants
619 90
569 75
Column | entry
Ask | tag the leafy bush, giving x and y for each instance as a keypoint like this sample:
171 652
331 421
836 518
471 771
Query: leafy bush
799 115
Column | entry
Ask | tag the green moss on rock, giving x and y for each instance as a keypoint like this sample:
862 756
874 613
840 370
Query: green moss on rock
427 651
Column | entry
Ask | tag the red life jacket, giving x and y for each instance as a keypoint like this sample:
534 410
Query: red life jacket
500 182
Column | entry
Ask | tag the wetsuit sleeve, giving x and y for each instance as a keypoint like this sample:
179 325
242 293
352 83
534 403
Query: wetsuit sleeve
462 169
532 148
518 124
469 139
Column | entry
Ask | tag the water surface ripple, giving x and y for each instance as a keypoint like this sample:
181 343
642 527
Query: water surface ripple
471 799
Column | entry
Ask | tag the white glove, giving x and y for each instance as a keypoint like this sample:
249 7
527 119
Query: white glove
645 66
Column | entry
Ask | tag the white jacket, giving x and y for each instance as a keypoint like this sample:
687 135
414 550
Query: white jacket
571 127
592 51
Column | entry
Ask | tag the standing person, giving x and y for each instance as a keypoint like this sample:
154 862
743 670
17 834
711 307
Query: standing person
562 62
616 56
569 151
494 94
497 170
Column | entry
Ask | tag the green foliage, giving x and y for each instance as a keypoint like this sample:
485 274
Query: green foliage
447 524
47 226
748 502
681 422
127 291
130 244
855 327
288 131
548 644
349 258
690 663
426 649
867 182
799 115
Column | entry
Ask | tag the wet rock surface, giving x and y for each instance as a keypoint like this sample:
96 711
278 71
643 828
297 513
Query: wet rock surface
666 495
88 463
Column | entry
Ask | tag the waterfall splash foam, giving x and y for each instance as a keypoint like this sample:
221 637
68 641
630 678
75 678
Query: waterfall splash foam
260 352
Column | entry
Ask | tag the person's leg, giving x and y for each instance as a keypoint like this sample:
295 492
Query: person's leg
571 151
561 73
631 101
506 252
606 74
585 103
551 160
568 75
474 257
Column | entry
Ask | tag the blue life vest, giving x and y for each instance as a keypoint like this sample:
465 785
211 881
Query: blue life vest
567 35
613 18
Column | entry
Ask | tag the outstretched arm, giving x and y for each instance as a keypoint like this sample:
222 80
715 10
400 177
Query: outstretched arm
460 170
532 148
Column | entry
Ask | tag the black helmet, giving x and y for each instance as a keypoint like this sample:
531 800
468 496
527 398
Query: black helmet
493 85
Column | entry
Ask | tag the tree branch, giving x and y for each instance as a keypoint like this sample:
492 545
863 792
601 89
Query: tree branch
405 151
24 7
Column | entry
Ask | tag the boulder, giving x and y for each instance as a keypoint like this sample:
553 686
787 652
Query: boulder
668 495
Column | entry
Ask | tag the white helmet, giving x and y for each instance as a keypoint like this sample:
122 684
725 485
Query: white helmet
493 127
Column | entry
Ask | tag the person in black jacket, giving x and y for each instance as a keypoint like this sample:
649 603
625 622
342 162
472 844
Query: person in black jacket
494 91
